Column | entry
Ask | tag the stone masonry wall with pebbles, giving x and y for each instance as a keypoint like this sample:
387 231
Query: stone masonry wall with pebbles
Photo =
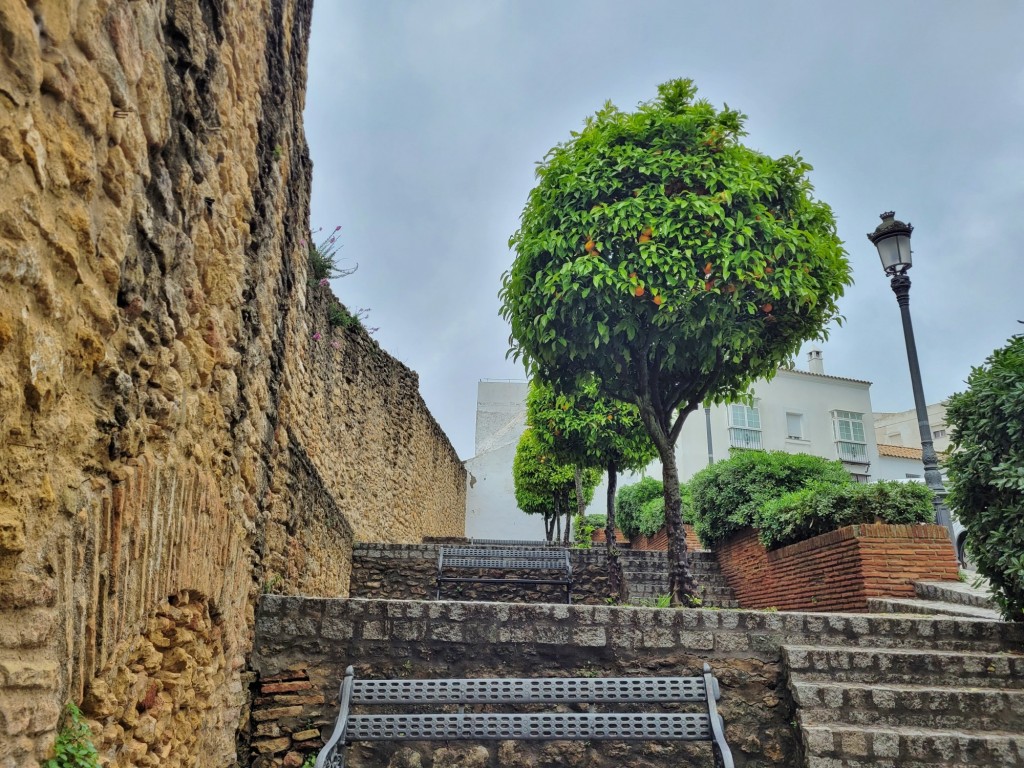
164 395
408 572
311 641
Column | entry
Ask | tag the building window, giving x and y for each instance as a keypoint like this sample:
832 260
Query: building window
939 433
795 426
848 428
744 427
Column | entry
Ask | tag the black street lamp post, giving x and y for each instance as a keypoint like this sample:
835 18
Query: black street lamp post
892 239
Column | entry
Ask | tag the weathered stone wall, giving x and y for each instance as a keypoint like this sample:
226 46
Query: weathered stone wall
306 644
161 397
409 572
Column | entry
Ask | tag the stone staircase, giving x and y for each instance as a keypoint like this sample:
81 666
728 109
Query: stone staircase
909 705
647 578
942 598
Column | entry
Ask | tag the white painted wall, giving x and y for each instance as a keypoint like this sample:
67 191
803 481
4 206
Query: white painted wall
901 428
491 510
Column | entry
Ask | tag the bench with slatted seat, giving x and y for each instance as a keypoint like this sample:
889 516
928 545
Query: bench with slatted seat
422 716
465 564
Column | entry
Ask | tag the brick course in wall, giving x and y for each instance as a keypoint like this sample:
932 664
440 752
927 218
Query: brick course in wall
658 541
837 571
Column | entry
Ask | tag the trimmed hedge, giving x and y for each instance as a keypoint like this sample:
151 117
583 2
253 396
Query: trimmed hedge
822 507
728 494
629 502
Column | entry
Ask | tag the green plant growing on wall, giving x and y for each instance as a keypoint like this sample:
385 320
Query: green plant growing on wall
986 471
74 747
323 257
673 264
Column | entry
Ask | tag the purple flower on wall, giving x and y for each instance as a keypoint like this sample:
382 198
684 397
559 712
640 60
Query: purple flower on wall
317 336
324 282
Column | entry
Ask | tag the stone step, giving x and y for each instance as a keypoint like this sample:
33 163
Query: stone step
908 706
848 746
929 608
958 592
904 666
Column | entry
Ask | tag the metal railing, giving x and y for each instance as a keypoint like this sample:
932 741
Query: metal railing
849 451
745 438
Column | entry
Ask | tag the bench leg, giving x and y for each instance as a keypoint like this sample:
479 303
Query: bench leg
333 753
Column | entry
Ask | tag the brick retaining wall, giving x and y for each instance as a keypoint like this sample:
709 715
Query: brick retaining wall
837 571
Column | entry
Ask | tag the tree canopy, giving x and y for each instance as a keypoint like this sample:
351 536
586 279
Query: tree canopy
675 265
986 471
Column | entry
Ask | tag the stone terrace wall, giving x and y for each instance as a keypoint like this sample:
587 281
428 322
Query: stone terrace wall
837 571
165 416
304 645
409 573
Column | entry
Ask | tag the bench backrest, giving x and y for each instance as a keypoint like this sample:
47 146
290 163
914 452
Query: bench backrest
503 558
705 725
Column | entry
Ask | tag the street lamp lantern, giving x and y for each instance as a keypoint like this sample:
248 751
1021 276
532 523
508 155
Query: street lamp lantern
892 239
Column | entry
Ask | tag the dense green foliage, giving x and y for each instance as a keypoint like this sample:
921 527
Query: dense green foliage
674 265
629 503
825 506
583 529
543 485
583 428
986 471
728 494
73 747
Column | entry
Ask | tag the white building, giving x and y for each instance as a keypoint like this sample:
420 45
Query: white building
902 428
797 411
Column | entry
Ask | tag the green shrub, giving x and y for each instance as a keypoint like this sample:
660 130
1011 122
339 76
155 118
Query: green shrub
686 502
727 495
629 501
651 517
822 507
584 527
986 471
74 747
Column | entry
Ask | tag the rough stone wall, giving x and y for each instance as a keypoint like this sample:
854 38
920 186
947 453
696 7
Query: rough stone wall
837 571
156 364
310 642
401 572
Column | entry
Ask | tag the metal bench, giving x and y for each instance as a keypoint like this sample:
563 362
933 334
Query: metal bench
453 562
701 692
535 544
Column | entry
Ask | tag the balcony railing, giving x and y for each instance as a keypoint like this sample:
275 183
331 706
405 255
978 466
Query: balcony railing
855 452
745 438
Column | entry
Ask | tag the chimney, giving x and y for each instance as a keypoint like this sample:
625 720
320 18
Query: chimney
814 362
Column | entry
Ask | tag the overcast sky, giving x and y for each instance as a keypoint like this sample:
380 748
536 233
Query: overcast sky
425 119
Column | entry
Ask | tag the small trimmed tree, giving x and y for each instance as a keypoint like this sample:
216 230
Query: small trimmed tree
675 265
544 485
986 471
592 431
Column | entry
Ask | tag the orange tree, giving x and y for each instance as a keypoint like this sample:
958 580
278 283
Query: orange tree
588 430
672 263
544 484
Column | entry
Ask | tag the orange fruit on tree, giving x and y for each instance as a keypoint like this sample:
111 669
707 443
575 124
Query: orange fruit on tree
632 275
638 291
658 300
766 308
644 239
589 247
769 270
708 268
709 284
729 288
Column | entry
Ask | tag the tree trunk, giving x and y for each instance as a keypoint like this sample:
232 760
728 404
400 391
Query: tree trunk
558 519
616 583
549 526
681 585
